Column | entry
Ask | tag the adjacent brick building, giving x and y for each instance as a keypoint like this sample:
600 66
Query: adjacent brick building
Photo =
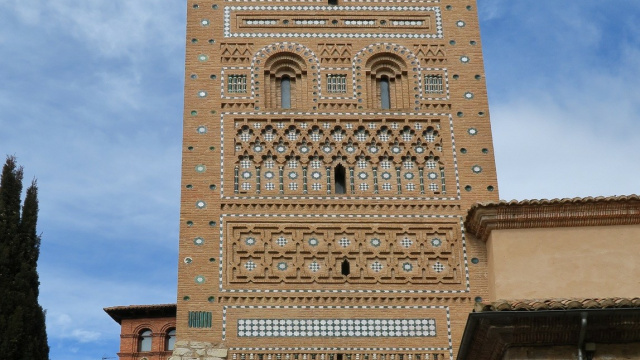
146 331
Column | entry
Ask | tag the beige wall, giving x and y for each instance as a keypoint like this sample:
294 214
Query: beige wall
573 262
603 351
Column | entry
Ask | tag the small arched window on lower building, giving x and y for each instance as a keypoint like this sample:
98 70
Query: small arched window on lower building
144 340
340 179
170 341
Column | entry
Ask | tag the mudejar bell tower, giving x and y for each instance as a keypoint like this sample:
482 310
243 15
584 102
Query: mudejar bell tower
331 151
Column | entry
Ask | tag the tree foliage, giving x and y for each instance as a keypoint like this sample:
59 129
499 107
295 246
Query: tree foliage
22 322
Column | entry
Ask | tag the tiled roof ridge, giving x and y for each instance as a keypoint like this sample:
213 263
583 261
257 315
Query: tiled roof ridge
557 304
485 217
140 307
557 201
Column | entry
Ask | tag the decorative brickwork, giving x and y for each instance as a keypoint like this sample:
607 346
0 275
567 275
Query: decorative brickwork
236 53
331 151
296 157
264 253
335 54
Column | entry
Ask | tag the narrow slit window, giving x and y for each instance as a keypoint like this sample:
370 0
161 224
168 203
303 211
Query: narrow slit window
385 96
285 92
346 270
433 84
336 83
340 175
237 84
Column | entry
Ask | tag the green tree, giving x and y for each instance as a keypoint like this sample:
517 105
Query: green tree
23 334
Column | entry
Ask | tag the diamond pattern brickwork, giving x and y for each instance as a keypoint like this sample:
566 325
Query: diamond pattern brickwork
296 157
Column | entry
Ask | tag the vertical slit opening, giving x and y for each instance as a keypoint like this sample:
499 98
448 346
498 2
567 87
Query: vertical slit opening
340 179
346 270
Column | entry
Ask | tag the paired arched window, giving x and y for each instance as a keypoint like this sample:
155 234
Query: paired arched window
145 340
170 340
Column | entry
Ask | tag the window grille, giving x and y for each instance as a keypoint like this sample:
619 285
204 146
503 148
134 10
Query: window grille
237 84
336 83
433 84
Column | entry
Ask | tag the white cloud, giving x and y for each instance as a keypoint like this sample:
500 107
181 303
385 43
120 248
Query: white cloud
85 336
577 138
74 303
115 28
25 11
490 9
564 100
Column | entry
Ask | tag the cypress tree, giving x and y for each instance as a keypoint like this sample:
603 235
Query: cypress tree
22 323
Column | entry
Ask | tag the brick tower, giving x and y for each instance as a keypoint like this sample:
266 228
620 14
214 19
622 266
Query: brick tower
332 149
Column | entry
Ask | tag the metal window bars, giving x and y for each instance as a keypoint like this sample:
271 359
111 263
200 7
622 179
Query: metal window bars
237 84
336 83
433 84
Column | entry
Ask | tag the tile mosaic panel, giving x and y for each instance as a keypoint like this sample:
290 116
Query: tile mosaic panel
336 327
283 328
260 21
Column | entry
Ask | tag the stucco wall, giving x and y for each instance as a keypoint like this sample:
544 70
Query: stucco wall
603 351
580 262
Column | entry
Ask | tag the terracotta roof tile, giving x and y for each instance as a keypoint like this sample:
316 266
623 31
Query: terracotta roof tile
485 217
575 200
557 304
141 307
118 313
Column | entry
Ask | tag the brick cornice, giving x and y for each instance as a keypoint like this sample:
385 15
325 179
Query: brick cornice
486 217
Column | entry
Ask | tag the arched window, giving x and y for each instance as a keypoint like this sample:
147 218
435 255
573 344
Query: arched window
285 79
144 340
385 95
388 82
170 341
285 92
340 179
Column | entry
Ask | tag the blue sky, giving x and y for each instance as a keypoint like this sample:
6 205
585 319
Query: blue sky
91 104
